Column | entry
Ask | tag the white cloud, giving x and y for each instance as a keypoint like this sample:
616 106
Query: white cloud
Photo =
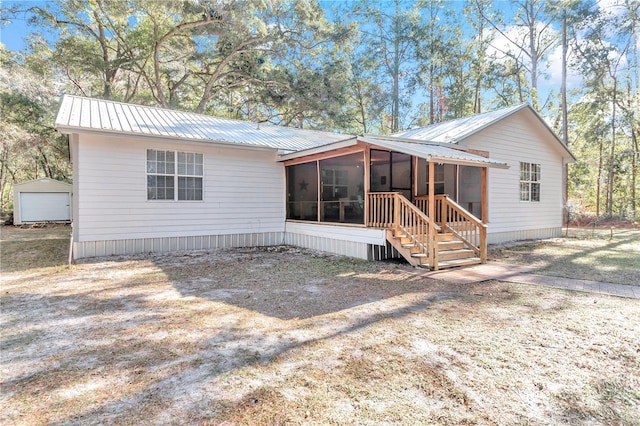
554 70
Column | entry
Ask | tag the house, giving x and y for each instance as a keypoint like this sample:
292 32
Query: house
155 180
41 200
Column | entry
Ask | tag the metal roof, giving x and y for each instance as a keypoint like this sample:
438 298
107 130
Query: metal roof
434 152
86 115
455 130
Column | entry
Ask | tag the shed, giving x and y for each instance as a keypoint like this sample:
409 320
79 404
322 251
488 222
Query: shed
41 200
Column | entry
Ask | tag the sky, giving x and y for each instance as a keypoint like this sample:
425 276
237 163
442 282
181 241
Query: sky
12 34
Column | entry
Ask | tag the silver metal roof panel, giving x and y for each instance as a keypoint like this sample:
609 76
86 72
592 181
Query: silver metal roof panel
79 114
454 130
434 152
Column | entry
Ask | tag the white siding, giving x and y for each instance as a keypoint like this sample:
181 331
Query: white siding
343 240
243 192
521 138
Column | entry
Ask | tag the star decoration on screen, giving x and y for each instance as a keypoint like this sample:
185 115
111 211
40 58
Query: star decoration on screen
303 185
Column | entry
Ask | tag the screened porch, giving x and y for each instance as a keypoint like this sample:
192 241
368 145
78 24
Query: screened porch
416 191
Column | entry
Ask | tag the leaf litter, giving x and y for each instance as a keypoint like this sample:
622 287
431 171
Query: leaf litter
291 336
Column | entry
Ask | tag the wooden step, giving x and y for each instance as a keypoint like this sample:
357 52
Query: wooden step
420 258
450 245
447 236
458 263
455 254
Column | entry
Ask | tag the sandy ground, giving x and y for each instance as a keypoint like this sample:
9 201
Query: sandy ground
288 336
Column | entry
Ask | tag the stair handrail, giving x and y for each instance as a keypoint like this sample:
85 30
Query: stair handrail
416 210
407 229
481 250
394 195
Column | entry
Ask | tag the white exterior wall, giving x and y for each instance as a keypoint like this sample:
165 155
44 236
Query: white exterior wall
521 138
243 194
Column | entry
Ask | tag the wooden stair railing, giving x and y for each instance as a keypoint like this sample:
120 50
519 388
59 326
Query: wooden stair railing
453 218
411 231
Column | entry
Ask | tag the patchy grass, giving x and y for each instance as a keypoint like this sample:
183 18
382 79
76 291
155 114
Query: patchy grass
25 248
288 336
597 255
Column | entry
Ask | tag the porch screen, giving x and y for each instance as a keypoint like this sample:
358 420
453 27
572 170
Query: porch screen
342 189
302 194
330 190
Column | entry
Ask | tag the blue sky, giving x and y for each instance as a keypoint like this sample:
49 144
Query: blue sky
12 34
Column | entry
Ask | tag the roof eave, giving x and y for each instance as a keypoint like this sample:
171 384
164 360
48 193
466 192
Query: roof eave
68 130
462 162
345 143
409 140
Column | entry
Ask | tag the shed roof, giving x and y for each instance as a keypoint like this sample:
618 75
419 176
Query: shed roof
431 151
86 115
43 181
434 152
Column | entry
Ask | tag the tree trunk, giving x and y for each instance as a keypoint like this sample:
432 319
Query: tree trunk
395 108
533 54
612 158
598 185
565 120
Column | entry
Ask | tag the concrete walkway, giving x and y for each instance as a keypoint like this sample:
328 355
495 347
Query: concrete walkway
524 274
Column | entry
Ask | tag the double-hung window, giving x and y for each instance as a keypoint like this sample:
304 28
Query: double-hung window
173 175
529 182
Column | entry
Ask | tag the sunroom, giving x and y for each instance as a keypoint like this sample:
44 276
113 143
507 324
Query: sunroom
430 199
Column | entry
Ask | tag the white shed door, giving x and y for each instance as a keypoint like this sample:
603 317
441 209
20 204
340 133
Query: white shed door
45 206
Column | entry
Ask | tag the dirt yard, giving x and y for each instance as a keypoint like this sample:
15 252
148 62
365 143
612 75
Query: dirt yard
287 336
608 255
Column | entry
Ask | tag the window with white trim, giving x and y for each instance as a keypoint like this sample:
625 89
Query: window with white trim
165 181
529 182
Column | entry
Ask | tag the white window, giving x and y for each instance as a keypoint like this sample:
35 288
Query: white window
165 181
529 182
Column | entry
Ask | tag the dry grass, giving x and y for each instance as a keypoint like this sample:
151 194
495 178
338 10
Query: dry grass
25 248
287 336
599 255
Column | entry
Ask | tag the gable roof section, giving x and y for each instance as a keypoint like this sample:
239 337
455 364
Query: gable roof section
454 131
86 115
46 181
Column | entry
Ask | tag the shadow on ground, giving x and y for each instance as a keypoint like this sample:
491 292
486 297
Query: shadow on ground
135 339
615 260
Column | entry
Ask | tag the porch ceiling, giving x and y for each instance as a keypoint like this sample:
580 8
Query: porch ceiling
434 152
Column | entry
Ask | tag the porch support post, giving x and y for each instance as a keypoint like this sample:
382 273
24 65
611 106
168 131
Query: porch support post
319 183
433 239
367 183
485 206
414 184
485 216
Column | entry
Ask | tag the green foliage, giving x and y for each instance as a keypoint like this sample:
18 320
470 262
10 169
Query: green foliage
358 67
30 147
